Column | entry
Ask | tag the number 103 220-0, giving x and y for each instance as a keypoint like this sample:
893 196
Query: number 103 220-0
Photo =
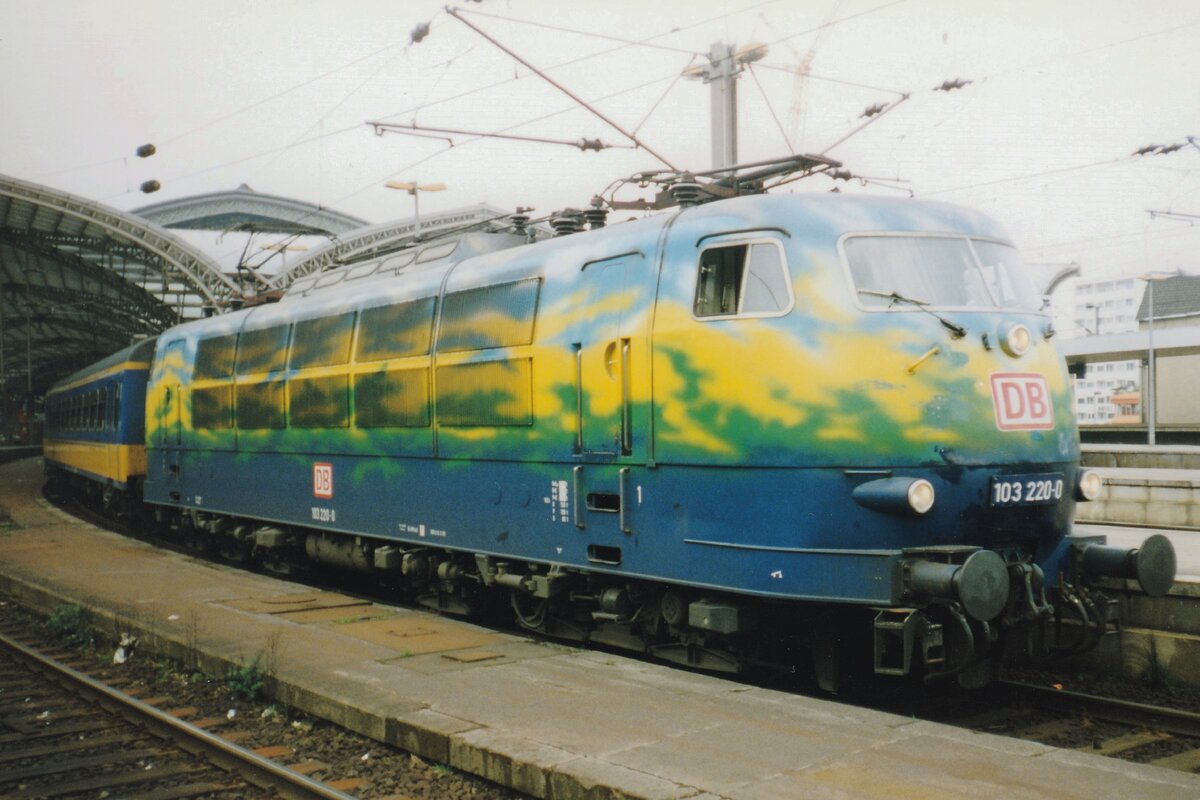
1026 490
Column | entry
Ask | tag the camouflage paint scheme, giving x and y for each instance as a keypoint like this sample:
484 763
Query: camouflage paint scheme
745 436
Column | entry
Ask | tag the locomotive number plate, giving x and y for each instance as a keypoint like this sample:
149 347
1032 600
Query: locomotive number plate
1027 490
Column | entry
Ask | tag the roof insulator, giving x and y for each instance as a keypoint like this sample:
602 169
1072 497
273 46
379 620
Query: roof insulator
685 193
519 223
949 86
567 221
596 217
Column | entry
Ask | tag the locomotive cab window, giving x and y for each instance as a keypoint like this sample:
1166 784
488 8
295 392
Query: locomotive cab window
746 279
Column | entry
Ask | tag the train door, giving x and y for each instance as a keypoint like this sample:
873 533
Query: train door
612 388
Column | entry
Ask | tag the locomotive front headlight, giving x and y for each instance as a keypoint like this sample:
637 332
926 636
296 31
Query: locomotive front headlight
1015 340
1089 485
920 496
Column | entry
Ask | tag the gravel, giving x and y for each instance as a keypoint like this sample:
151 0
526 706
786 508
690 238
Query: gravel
386 772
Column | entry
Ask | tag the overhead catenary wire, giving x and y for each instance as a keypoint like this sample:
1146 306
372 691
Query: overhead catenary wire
593 34
616 126
782 131
570 62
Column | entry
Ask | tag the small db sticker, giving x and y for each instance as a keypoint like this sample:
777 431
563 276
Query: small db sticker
323 480
1022 401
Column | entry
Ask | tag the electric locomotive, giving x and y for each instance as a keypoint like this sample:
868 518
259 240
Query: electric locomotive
725 435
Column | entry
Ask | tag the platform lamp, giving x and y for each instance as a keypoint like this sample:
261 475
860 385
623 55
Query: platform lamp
1151 392
413 188
283 250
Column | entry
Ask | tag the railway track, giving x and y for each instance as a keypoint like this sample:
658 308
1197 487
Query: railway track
1141 732
63 734
1146 733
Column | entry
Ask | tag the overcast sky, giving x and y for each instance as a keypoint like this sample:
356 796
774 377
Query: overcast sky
275 95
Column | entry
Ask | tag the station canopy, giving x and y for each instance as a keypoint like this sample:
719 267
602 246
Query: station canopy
80 280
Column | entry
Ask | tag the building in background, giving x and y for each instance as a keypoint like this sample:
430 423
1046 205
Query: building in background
1108 392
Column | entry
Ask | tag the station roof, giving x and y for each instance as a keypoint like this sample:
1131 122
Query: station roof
378 240
1132 345
79 280
244 209
1174 297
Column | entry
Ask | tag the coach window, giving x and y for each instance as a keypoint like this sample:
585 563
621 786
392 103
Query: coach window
746 279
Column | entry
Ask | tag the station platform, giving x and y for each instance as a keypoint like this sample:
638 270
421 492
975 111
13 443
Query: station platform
550 721
1158 497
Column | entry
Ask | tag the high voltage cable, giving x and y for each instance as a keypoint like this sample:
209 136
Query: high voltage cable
833 22
1089 50
1011 179
786 140
1132 236
815 77
569 62
593 34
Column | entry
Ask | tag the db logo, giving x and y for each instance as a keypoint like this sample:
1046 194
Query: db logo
1022 401
323 480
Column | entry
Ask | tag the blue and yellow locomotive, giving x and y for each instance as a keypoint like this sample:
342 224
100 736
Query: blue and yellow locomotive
720 435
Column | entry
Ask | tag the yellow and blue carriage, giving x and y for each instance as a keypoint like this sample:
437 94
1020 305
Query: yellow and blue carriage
95 424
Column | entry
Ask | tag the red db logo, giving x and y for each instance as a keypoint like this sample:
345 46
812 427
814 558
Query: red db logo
323 480
1022 401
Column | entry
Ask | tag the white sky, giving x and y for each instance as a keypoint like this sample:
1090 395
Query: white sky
275 94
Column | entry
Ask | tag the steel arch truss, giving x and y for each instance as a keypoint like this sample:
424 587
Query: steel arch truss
79 280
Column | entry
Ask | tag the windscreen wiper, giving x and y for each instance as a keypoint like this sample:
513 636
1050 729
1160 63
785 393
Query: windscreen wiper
958 331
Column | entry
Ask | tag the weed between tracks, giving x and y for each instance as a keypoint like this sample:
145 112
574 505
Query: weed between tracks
234 706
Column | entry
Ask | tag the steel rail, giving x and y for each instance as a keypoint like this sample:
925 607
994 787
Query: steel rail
250 766
1171 720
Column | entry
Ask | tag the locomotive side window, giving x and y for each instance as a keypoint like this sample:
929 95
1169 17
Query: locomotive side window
745 279
263 350
319 402
260 405
322 342
492 316
395 331
211 407
212 394
397 398
214 357
489 393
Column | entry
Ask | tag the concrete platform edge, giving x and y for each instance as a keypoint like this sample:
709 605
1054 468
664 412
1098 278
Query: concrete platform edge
529 767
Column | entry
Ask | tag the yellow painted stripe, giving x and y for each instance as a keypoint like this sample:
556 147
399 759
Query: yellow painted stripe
116 462
114 369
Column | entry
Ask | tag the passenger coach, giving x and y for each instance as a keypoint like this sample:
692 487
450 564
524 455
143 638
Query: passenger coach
96 423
